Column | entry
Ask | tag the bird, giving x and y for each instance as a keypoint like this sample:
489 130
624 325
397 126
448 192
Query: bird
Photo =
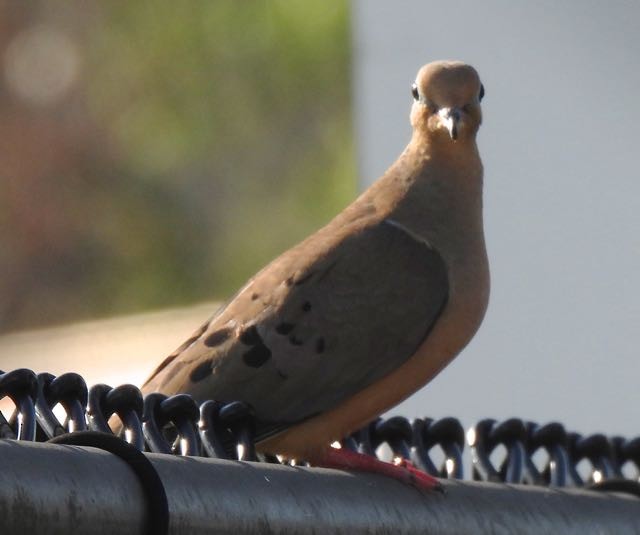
368 309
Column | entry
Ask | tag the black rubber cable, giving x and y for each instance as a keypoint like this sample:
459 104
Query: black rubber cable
156 496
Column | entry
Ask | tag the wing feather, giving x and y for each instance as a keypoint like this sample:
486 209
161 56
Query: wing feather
299 337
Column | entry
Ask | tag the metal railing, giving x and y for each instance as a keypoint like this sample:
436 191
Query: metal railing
51 489
48 488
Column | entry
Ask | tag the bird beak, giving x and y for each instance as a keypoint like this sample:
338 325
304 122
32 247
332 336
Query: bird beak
450 118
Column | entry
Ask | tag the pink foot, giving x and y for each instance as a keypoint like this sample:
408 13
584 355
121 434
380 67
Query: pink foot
403 471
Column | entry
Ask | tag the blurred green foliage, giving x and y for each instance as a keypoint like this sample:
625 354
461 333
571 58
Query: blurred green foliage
200 140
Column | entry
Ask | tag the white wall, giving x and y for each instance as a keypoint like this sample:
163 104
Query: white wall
560 143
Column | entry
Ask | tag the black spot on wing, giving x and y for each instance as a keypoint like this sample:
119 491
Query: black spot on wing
320 345
306 306
284 327
217 337
201 371
257 356
254 296
250 336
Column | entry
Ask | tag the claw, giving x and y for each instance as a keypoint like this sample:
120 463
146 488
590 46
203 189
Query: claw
418 478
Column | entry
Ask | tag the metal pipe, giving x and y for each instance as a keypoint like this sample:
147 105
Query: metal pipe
50 489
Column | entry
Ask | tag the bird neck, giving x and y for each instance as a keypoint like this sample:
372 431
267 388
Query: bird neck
430 145
441 197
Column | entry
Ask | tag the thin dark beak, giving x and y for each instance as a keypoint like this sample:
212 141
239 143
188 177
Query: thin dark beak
450 119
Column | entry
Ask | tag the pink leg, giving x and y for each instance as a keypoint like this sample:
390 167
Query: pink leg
404 471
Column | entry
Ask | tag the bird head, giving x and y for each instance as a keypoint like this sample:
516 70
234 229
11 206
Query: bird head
446 105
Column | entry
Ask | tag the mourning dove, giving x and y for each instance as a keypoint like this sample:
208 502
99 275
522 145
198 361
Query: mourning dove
368 309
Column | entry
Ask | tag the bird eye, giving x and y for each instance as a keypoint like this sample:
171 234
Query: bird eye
481 95
414 92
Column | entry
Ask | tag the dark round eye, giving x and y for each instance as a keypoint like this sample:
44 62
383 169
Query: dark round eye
481 95
414 92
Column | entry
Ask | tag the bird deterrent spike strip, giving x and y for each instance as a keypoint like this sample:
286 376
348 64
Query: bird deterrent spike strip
177 425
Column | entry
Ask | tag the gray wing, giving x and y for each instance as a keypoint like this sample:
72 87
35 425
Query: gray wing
298 339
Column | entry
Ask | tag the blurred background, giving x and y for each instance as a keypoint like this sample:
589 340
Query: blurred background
154 155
